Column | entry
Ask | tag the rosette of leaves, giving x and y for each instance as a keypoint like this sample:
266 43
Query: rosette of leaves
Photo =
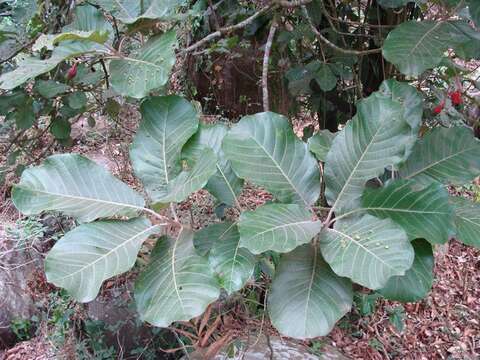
385 188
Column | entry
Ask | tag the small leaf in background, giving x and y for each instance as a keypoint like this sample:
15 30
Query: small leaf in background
325 77
397 317
60 128
77 100
91 121
50 88
112 108
366 303
467 220
24 115
320 144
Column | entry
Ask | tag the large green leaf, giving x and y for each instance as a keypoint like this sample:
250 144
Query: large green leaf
149 70
423 213
190 181
417 281
225 185
263 148
367 249
378 136
129 12
446 155
467 221
50 88
320 144
177 284
233 265
307 298
474 9
277 227
88 18
91 253
75 186
415 46
167 123
30 67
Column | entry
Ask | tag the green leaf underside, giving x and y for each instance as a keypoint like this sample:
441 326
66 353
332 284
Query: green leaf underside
91 253
233 265
277 227
416 46
88 18
467 221
167 123
225 185
377 137
417 281
177 284
320 144
367 250
422 213
190 181
74 186
30 67
306 297
445 155
149 70
129 12
263 149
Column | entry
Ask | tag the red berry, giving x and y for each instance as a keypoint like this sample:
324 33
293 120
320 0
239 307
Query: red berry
72 72
438 109
456 97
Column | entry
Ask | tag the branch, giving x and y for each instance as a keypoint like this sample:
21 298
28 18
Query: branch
227 29
332 45
266 58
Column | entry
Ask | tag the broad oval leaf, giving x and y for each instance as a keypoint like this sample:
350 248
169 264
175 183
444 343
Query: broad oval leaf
225 185
378 136
129 12
307 298
467 221
149 70
320 144
367 250
91 253
474 9
167 123
277 227
233 265
393 3
189 181
422 213
416 46
446 155
417 281
75 186
88 18
263 148
177 284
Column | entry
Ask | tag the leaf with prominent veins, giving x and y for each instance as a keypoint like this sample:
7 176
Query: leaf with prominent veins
423 213
467 220
277 227
178 284
306 297
91 253
167 123
234 265
367 249
445 155
263 149
75 186
375 138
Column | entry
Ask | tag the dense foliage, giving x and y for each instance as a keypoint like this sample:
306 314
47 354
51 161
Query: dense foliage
364 205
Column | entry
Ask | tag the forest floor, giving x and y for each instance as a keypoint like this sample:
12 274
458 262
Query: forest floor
444 325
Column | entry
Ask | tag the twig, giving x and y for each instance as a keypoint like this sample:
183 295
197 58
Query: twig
332 45
106 73
227 29
266 59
